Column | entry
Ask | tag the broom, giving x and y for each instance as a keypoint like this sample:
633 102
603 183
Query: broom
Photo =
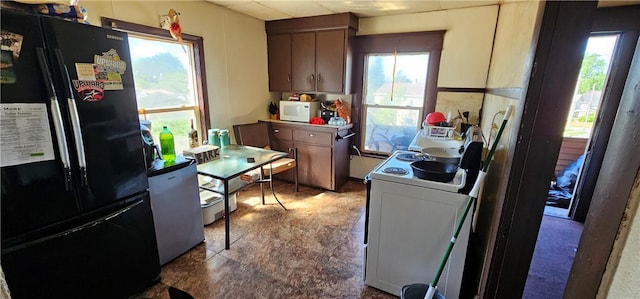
473 195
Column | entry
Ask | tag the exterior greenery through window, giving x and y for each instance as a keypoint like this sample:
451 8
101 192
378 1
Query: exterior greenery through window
591 81
394 97
395 78
168 79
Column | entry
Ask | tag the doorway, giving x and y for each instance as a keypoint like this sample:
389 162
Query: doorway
580 125
559 235
522 213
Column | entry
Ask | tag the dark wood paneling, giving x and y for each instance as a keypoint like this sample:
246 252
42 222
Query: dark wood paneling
622 18
461 89
333 21
561 43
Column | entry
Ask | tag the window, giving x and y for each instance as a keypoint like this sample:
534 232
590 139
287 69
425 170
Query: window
168 79
395 86
393 99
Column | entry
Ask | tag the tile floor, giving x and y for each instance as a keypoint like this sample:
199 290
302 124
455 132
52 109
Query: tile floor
314 250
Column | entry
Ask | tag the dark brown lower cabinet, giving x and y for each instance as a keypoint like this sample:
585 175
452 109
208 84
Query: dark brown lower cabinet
323 152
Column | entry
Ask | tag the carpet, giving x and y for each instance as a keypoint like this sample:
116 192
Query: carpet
552 259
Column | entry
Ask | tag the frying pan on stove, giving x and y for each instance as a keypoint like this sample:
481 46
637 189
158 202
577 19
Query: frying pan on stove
434 170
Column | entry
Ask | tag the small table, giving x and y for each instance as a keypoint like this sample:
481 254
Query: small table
234 161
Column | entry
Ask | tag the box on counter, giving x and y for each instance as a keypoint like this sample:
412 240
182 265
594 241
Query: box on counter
203 154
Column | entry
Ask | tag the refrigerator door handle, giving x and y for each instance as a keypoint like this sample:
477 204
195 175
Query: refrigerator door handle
57 118
75 120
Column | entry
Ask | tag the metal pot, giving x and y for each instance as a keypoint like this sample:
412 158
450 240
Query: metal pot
445 155
434 170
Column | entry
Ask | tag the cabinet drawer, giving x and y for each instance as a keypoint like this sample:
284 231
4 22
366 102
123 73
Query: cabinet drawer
282 133
320 138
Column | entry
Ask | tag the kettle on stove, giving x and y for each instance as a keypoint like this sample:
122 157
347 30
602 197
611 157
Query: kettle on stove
151 150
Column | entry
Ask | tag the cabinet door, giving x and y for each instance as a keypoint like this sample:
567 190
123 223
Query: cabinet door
279 51
315 166
303 61
330 55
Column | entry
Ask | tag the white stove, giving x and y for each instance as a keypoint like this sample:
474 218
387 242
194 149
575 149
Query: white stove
409 223
397 168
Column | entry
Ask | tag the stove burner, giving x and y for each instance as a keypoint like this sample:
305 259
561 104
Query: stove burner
408 157
395 170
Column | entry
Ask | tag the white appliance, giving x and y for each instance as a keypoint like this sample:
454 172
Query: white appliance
298 111
213 205
176 209
410 222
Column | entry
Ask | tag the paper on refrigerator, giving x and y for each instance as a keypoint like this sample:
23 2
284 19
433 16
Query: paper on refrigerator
25 136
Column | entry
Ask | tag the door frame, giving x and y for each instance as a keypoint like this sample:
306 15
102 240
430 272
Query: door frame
606 20
564 32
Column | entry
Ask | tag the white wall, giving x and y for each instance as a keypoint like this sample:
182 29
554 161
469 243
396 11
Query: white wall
465 59
235 50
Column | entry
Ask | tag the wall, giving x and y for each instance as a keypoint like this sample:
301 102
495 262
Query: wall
622 276
464 62
235 50
507 81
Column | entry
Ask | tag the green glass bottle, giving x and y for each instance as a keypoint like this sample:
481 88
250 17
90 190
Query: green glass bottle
167 146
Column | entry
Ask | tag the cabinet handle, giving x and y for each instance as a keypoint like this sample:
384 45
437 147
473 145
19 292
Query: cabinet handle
276 130
313 78
319 78
312 135
289 78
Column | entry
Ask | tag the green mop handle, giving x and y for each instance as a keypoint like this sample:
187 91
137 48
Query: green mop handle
473 195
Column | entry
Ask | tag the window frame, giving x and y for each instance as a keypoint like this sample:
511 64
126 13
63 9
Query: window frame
426 41
202 114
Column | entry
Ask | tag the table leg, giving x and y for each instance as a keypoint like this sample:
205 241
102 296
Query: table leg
226 215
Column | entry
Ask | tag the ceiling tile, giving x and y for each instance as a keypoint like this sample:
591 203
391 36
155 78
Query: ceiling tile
453 4
360 8
407 6
229 2
298 8
259 11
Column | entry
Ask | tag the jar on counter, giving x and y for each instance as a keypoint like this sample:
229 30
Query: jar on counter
214 137
224 137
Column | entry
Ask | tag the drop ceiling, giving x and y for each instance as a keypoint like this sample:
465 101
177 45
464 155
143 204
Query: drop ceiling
285 9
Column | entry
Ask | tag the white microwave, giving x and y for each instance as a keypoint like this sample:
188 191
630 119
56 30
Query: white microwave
298 111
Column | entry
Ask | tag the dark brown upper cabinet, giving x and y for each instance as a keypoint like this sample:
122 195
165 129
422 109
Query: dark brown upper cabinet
312 54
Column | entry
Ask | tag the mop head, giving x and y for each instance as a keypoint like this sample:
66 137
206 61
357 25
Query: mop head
417 291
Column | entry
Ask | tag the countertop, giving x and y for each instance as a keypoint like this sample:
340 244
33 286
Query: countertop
158 166
339 128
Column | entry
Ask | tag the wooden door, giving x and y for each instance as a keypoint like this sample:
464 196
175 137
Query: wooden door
279 51
330 64
303 61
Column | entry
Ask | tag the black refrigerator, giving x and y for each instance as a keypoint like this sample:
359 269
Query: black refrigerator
76 218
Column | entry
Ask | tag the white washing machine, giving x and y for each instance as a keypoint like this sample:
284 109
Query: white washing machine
410 222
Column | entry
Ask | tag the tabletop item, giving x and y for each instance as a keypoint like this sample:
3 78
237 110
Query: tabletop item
167 145
214 137
193 136
224 137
